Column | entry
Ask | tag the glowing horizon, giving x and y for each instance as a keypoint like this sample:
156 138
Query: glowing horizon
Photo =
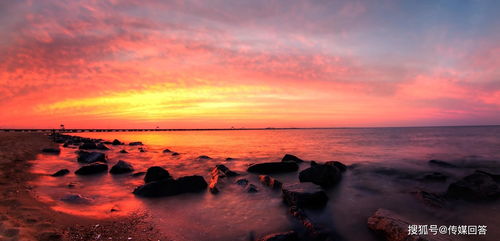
175 64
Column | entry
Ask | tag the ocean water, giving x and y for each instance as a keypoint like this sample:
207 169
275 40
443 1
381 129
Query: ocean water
380 160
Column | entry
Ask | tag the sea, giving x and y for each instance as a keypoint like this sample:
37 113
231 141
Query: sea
384 166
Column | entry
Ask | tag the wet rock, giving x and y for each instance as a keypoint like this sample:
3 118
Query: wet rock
323 175
230 159
252 188
156 173
242 182
138 174
475 187
90 157
441 163
141 149
136 143
116 142
203 157
223 171
123 151
88 146
286 236
495 177
51 150
314 232
93 168
101 146
291 158
212 187
61 173
429 199
175 154
66 144
304 196
337 164
273 167
121 167
169 187
270 182
395 228
167 151
75 199
434 177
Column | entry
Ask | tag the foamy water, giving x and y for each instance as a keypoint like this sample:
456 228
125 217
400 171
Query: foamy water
234 214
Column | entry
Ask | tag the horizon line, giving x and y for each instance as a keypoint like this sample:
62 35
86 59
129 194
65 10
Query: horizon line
218 129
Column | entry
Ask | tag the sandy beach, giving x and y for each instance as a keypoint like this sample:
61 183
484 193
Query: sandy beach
23 217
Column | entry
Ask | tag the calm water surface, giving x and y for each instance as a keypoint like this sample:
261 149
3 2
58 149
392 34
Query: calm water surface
378 155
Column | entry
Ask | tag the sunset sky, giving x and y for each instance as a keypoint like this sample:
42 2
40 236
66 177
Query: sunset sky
217 64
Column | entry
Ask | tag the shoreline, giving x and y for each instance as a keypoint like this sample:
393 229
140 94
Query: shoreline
24 217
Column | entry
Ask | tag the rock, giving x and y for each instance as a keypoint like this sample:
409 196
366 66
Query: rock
441 163
167 151
136 143
230 159
88 146
273 167
51 150
313 231
291 158
101 146
477 186
192 183
138 174
121 167
252 188
203 157
429 199
337 164
61 173
123 151
156 173
287 236
304 196
92 168
169 187
116 142
141 149
323 175
212 187
395 228
434 177
223 171
49 236
175 154
75 199
270 182
242 182
91 157
495 177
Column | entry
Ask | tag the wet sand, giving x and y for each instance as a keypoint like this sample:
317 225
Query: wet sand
24 217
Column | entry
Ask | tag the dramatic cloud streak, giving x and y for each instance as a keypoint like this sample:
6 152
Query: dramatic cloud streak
188 64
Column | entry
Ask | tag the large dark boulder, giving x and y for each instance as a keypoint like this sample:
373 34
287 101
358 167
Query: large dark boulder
291 158
304 196
101 146
167 151
170 187
93 168
61 173
136 143
323 175
121 167
286 236
88 146
477 186
339 165
51 150
273 167
91 157
223 171
156 173
116 142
